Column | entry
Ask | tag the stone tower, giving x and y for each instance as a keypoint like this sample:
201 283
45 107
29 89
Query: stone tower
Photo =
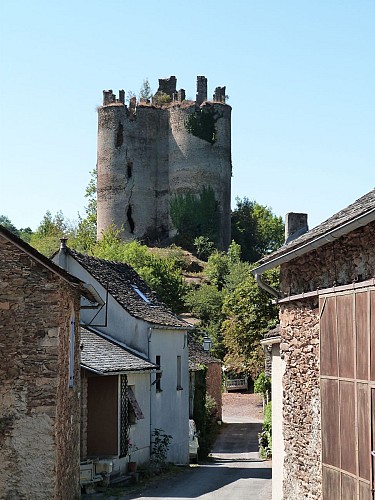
151 152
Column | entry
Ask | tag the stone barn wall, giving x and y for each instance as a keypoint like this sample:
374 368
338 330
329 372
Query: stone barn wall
351 258
39 413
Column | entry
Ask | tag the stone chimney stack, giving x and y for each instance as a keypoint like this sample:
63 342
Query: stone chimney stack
62 256
295 225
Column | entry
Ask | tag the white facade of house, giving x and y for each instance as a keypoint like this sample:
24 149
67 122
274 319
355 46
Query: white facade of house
170 404
169 407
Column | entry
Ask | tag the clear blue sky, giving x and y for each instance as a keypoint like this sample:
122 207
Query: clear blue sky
300 75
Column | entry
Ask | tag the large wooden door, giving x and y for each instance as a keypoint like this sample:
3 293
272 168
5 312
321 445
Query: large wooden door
347 358
373 441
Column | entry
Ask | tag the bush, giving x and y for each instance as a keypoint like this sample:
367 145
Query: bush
265 437
262 385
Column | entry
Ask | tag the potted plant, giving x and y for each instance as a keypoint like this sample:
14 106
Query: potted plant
132 465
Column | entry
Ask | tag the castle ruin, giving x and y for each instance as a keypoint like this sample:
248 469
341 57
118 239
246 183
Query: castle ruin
150 152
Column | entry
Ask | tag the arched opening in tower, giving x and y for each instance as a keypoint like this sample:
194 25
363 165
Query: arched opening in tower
130 219
119 135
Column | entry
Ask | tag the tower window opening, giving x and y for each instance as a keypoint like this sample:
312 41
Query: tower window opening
129 167
119 135
130 219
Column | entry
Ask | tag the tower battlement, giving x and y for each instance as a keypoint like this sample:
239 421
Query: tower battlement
167 86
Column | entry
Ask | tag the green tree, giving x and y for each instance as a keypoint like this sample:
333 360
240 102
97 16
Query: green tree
256 229
206 304
6 222
46 238
249 314
145 91
86 230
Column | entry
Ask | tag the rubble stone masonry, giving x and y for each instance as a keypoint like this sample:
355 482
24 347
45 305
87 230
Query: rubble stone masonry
39 413
351 258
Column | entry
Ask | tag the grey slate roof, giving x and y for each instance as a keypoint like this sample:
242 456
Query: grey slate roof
197 355
119 277
106 356
364 205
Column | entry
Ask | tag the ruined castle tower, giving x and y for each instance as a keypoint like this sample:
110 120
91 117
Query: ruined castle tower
151 152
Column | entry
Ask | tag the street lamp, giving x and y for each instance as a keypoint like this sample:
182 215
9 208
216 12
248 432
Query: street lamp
207 342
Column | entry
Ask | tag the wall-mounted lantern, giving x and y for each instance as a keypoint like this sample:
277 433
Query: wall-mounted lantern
207 342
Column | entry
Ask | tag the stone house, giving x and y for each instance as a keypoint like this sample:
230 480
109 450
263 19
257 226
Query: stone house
325 374
132 318
201 361
39 374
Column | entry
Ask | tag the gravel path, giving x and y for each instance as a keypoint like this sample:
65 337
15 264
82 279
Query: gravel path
242 407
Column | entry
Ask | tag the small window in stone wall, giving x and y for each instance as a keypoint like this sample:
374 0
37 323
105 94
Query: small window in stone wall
119 135
129 168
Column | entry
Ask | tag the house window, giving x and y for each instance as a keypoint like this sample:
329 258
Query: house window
124 421
179 386
158 374
71 351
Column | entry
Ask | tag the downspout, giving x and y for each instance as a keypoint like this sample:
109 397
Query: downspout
268 288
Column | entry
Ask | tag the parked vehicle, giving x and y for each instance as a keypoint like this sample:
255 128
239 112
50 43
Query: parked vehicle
193 442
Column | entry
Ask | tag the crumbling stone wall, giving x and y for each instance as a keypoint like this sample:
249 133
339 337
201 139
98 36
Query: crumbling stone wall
351 258
39 413
146 156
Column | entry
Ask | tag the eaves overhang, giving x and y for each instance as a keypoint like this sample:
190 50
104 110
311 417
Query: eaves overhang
315 243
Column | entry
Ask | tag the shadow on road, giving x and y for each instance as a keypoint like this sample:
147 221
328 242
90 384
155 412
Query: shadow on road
208 479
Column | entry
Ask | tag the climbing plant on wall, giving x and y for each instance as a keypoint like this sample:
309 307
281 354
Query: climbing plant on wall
202 122
195 216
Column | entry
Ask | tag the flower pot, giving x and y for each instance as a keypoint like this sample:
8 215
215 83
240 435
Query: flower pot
132 466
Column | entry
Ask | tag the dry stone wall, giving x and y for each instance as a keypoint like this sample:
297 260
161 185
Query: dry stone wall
351 258
39 428
299 323
346 260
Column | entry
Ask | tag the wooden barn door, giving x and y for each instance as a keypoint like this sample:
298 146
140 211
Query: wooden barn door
373 441
347 347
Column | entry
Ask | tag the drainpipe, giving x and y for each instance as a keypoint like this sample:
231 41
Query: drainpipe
268 288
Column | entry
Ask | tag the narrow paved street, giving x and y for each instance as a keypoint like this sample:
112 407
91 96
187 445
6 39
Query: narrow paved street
235 472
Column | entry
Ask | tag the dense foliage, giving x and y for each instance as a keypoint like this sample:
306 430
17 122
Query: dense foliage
256 229
265 437
195 216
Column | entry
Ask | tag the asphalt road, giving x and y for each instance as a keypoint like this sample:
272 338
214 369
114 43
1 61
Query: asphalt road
235 472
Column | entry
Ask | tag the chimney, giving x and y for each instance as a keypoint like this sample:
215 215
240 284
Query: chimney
63 251
295 225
